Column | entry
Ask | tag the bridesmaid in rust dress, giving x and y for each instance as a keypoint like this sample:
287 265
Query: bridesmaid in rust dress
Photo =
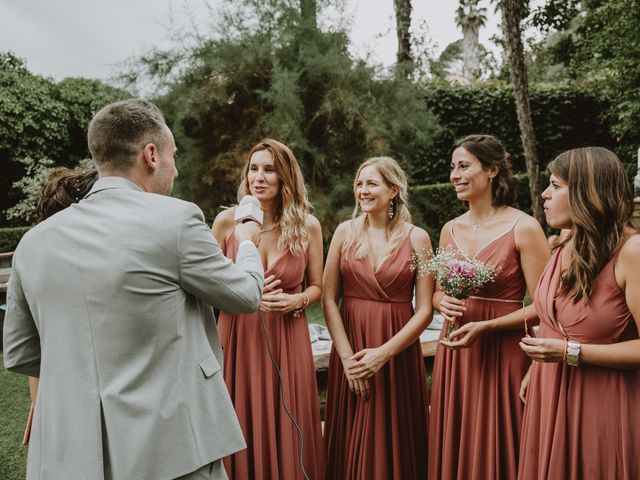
291 249
476 414
582 416
377 401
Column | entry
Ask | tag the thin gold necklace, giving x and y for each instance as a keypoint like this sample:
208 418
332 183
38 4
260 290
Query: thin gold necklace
271 228
475 226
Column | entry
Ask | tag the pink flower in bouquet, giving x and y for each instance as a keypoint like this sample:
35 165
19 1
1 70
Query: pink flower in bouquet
461 268
458 276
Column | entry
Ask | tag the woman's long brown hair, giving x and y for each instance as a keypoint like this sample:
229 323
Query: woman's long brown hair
64 188
600 206
293 203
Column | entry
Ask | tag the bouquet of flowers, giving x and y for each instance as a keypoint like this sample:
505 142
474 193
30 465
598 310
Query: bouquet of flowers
458 275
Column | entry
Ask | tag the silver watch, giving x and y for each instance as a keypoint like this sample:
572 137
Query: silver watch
573 353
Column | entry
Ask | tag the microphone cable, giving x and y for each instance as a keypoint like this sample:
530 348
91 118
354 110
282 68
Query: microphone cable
284 402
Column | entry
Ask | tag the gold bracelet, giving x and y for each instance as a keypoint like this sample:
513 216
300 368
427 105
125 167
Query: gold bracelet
526 327
564 355
305 303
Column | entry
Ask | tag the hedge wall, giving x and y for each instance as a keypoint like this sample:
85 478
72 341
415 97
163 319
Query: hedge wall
9 238
564 116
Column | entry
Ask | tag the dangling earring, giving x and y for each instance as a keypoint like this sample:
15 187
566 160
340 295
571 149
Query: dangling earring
391 209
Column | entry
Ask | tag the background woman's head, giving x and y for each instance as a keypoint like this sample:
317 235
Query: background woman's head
64 188
272 175
390 200
598 205
487 164
393 195
600 196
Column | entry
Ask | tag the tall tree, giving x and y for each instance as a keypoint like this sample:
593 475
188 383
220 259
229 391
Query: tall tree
309 14
402 10
512 15
470 17
284 80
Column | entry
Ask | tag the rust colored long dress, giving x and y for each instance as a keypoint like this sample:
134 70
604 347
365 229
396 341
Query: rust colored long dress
384 437
582 422
476 414
272 440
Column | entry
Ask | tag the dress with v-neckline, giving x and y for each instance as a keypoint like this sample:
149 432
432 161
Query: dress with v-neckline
384 437
275 262
486 245
407 238
582 422
476 413
272 440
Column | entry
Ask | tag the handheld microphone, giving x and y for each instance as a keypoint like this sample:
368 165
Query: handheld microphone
249 210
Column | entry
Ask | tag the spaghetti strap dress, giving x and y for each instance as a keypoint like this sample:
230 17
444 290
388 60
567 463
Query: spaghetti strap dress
384 437
476 413
272 440
582 422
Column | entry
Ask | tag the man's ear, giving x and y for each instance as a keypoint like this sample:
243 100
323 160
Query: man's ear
150 156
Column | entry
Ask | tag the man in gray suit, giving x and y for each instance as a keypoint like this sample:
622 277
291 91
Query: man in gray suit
110 304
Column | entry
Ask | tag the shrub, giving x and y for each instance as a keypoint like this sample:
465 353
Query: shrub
9 238
564 116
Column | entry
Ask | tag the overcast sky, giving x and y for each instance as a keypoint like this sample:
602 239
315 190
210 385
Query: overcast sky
91 38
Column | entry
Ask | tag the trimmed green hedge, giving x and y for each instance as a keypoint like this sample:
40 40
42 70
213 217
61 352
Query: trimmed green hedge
9 238
564 116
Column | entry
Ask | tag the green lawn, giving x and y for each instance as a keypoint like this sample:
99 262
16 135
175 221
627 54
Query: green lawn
314 314
14 408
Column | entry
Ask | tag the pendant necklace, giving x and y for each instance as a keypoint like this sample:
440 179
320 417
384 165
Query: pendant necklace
475 226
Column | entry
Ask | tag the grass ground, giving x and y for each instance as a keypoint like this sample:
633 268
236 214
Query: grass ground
14 408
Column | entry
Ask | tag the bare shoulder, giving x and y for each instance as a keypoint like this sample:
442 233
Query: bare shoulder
445 233
528 224
627 265
223 224
630 251
527 227
225 218
419 237
312 223
341 232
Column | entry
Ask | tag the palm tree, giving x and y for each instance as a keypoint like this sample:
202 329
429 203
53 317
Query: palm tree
402 10
470 17
511 18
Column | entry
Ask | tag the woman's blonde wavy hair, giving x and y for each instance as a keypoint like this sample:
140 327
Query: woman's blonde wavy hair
393 175
600 207
293 203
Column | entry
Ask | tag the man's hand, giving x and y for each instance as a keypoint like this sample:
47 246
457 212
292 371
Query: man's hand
248 231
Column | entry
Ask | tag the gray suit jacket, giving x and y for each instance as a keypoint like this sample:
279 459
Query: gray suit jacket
109 303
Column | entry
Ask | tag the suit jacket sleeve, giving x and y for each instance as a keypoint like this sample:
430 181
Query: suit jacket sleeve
20 334
206 273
